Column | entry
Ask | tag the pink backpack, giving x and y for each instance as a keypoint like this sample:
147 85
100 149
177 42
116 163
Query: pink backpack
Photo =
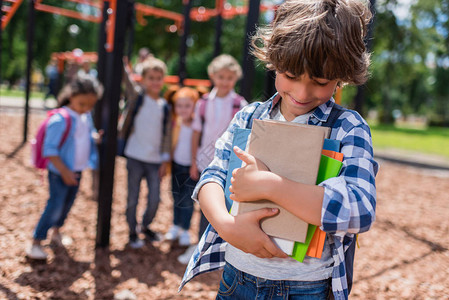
37 158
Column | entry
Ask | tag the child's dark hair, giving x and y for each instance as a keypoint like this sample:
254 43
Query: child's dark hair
80 85
324 39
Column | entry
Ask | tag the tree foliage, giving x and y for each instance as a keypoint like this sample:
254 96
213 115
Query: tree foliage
410 57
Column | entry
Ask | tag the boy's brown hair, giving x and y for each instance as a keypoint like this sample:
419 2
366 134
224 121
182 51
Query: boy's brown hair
153 63
323 38
224 61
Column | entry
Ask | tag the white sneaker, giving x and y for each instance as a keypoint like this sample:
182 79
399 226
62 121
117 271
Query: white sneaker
185 257
36 252
173 233
61 239
184 238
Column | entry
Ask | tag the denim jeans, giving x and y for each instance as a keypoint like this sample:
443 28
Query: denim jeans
182 189
136 171
235 284
58 205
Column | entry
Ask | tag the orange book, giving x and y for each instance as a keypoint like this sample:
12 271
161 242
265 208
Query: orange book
317 243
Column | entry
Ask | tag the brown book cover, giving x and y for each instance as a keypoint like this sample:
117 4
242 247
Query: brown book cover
291 150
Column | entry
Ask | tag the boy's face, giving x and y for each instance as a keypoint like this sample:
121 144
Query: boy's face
224 80
302 94
152 82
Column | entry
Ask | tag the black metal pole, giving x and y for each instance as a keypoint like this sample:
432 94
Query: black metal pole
182 73
131 28
101 64
218 32
108 148
248 60
270 88
30 42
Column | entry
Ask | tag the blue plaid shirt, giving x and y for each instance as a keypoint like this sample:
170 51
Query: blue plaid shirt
349 200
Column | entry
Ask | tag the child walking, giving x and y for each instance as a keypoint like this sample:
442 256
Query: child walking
67 161
313 46
213 112
183 100
147 131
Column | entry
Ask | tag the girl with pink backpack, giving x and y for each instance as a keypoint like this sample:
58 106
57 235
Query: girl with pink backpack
68 154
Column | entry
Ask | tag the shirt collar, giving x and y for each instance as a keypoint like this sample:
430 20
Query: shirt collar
321 113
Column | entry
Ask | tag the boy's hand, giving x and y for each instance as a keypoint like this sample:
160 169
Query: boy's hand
249 183
163 169
97 136
69 177
246 234
194 174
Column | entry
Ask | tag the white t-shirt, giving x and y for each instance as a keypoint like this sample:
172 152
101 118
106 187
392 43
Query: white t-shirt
311 269
144 142
218 115
182 154
82 140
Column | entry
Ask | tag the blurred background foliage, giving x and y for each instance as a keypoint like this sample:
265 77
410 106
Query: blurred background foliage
410 46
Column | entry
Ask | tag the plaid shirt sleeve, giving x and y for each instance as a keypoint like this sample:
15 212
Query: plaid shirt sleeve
350 199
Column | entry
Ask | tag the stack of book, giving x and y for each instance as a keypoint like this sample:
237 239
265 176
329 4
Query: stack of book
299 152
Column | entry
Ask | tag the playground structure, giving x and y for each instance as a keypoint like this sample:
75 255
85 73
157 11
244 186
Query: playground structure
116 18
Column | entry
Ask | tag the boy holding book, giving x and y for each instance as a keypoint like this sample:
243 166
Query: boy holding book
313 46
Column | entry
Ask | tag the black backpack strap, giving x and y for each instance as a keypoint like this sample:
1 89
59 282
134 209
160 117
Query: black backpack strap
166 115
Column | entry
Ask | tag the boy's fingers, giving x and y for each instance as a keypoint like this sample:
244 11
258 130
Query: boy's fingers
265 212
274 250
263 253
244 156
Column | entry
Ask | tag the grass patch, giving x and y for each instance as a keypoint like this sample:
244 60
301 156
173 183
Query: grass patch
430 140
19 93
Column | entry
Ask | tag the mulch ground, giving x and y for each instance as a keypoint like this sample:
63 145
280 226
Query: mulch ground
404 256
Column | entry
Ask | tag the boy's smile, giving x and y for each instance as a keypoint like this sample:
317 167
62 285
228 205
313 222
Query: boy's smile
302 94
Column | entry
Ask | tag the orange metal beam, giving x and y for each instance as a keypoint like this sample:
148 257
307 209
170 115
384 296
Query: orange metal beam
202 14
110 25
12 10
146 10
66 12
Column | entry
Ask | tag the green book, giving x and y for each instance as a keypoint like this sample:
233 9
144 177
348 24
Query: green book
329 168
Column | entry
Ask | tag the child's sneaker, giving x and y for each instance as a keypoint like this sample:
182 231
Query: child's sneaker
184 238
135 242
61 239
36 252
151 235
173 233
185 257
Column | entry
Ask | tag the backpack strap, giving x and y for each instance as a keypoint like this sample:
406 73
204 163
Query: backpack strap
236 105
202 102
260 108
166 115
335 113
68 121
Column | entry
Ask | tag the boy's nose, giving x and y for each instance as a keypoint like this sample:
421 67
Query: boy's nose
300 93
